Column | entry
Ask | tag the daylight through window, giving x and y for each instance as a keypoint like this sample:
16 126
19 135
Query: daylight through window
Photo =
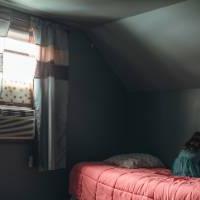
17 68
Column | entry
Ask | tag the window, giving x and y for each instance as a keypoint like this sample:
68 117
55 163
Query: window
17 68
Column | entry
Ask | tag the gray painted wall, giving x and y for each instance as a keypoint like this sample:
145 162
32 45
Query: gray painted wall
161 121
155 50
97 111
95 122
19 182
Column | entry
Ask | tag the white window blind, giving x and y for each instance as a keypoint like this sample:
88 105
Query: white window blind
17 68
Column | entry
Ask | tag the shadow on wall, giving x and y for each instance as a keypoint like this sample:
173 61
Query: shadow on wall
20 182
155 50
143 67
97 106
164 119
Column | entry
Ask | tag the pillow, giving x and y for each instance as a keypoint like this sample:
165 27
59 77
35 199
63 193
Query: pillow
135 160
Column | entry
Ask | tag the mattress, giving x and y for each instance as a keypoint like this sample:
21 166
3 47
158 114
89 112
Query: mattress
98 181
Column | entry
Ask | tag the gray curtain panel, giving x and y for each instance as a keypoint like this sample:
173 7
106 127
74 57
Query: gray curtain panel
51 119
51 93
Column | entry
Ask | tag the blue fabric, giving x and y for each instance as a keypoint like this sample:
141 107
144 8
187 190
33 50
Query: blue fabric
53 41
50 94
187 164
49 34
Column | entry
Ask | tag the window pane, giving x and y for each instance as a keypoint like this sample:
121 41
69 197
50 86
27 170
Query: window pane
20 46
1 62
2 40
19 63
18 35
18 72
18 67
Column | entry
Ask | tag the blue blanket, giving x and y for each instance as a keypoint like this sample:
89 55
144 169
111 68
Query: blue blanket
187 164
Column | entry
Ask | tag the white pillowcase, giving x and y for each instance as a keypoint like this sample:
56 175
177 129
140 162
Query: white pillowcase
135 160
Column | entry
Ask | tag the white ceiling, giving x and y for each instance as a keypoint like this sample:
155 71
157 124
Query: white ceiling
87 12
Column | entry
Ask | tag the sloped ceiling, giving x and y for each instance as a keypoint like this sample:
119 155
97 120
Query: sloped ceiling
155 50
86 12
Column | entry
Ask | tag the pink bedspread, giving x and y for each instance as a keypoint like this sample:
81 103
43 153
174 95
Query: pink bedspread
97 181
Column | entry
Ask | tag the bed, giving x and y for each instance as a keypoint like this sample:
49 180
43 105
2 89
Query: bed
100 181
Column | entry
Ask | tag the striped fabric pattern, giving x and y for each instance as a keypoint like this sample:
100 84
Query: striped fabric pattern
16 123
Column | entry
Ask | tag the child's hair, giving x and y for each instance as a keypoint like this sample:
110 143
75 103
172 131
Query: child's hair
194 143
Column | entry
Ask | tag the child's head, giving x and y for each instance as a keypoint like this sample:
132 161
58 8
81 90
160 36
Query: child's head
194 143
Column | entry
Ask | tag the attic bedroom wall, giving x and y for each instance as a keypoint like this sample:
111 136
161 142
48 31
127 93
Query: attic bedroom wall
153 50
97 105
166 119
96 119
157 54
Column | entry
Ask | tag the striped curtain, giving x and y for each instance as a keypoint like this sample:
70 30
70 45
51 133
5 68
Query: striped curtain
16 123
51 92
